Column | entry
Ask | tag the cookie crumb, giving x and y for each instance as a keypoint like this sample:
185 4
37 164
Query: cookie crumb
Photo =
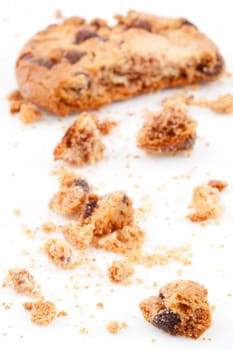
42 312
219 184
16 100
181 308
100 306
205 202
222 104
29 113
60 253
77 235
81 143
119 271
62 313
22 282
48 227
17 212
58 14
105 127
114 327
170 131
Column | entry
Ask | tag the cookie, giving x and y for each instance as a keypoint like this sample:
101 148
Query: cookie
181 308
79 65
169 131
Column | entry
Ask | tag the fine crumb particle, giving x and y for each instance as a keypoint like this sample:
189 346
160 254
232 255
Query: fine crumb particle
114 326
58 14
62 313
42 312
22 282
17 212
181 308
105 127
29 113
100 306
206 202
83 330
119 271
6 306
48 227
28 231
169 131
60 253
82 143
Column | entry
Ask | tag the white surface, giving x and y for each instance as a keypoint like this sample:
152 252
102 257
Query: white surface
25 183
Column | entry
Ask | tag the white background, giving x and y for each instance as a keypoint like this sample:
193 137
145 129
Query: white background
25 183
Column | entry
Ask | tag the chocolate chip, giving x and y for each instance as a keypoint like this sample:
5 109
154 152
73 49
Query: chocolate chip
91 205
167 321
161 296
98 23
83 184
85 34
74 56
43 61
211 71
140 23
125 199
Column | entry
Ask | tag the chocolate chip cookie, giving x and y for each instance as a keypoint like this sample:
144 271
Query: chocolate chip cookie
79 65
181 308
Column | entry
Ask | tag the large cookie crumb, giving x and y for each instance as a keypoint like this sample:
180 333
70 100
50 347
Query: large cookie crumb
42 312
60 253
82 142
119 271
181 308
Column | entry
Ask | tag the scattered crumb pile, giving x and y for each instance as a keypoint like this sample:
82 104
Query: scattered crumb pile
206 201
105 222
181 308
28 113
170 131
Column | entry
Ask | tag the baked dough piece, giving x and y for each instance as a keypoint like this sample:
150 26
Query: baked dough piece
75 65
181 308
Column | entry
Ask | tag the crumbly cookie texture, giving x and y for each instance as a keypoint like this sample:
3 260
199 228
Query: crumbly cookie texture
120 270
222 104
76 65
170 131
22 282
181 308
28 113
82 143
72 195
80 236
206 201
42 312
60 253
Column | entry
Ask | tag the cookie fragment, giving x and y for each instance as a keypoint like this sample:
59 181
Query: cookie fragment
119 271
22 282
170 131
42 312
80 236
60 253
206 201
181 308
82 143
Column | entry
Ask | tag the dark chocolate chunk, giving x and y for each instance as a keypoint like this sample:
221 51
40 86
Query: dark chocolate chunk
43 61
211 71
140 23
167 321
90 207
74 56
83 184
125 199
161 296
85 34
